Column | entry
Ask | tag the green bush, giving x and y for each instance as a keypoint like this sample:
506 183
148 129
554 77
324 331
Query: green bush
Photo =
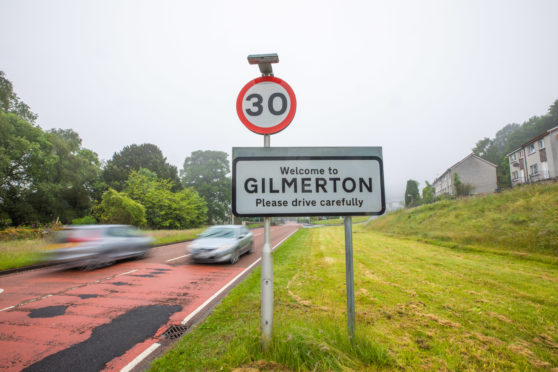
116 207
166 209
85 220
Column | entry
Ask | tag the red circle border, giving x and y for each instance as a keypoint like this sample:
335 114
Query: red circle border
276 128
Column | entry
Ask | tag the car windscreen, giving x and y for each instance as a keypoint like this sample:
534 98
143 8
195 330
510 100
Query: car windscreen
218 233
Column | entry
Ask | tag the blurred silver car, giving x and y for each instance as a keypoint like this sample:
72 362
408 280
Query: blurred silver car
224 243
91 246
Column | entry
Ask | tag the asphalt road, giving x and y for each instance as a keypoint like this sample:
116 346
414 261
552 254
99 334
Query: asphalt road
111 318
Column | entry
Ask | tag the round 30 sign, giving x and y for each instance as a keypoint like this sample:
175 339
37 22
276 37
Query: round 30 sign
266 105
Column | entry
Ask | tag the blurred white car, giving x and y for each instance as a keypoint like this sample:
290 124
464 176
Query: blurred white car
91 246
224 243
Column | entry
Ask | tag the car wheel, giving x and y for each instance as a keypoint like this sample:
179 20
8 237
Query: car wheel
234 257
251 249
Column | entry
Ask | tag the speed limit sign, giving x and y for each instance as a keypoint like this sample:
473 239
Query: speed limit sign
266 105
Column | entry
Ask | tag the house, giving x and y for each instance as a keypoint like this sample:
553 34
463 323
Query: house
536 160
473 170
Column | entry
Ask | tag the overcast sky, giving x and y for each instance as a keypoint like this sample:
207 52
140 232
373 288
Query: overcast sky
425 80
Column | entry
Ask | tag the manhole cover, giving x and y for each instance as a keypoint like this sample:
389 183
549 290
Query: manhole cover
175 331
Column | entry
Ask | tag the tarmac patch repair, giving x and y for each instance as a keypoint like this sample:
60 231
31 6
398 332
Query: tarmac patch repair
108 341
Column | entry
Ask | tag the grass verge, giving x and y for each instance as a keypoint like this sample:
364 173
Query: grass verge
418 307
340 221
524 219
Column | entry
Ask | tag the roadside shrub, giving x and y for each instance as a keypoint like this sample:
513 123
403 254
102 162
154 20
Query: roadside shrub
117 208
85 220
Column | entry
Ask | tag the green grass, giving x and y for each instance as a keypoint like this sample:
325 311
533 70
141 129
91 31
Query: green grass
418 307
524 220
19 253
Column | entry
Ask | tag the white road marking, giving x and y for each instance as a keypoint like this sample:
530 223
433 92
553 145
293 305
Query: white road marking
1 290
7 308
127 272
177 258
140 357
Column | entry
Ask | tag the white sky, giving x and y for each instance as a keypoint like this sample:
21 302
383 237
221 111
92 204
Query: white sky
423 79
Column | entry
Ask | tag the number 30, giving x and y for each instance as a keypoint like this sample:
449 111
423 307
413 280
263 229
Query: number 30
257 104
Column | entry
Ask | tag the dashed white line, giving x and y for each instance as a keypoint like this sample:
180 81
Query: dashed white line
177 258
140 357
127 272
7 308
1 290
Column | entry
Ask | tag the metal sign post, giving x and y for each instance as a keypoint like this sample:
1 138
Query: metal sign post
267 278
350 277
266 105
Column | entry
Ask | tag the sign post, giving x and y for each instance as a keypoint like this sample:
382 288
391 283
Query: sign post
266 105
349 272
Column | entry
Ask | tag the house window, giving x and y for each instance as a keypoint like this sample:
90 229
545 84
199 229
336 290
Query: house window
515 175
521 154
531 148
534 169
514 157
541 143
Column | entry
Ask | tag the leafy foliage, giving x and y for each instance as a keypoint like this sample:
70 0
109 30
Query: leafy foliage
116 207
166 209
44 176
428 193
206 172
461 189
134 157
10 102
85 220
412 196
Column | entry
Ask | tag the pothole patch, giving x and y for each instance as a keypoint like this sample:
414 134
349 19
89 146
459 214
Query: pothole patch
48 312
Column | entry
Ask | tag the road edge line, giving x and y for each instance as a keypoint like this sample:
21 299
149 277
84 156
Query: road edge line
137 360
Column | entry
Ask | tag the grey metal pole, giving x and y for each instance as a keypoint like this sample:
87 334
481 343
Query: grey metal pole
267 278
350 277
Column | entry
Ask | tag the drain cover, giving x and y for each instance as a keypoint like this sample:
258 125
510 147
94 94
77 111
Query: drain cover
175 331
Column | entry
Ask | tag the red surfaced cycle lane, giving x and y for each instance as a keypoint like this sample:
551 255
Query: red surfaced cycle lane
106 318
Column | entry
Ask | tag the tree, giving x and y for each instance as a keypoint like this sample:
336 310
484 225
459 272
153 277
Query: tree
116 207
10 102
206 172
412 196
134 157
165 209
428 193
26 158
44 175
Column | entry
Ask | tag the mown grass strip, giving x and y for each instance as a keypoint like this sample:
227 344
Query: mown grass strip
418 307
